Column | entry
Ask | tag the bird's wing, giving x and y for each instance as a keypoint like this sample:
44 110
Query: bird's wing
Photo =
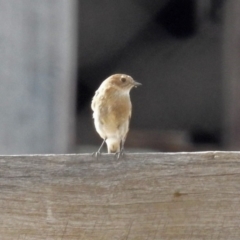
93 104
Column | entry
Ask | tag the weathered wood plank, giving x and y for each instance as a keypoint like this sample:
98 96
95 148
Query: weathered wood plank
143 196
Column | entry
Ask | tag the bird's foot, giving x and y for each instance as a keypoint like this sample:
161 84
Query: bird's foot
96 154
119 154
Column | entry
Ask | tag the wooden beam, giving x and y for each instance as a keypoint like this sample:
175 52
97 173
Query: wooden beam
143 196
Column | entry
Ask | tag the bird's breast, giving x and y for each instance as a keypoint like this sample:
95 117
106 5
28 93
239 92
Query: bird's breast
120 106
114 109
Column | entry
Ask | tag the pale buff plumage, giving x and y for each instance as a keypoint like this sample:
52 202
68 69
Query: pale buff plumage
112 109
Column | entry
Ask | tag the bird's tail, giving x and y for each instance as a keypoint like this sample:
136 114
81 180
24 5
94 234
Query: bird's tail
113 145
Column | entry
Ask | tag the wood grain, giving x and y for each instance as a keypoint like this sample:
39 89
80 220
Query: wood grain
143 196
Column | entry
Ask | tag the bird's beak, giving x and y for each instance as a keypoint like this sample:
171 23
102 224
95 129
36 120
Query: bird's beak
136 84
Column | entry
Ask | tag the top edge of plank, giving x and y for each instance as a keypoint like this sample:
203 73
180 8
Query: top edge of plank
127 154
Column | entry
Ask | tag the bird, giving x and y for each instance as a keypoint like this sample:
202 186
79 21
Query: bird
112 109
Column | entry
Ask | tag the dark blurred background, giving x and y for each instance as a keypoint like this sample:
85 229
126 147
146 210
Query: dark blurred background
173 47
55 54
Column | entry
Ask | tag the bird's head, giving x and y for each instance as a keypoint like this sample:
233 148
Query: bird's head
123 82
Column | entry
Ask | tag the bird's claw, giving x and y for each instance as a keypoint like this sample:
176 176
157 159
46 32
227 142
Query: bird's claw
96 154
119 154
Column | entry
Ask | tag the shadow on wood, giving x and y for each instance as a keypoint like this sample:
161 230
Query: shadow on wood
143 196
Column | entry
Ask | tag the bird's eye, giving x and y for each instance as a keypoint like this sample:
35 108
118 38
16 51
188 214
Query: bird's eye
123 79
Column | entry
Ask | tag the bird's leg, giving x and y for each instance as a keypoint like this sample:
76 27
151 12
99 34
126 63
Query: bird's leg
121 152
98 152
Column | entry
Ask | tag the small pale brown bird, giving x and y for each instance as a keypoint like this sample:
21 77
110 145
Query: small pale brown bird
112 109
